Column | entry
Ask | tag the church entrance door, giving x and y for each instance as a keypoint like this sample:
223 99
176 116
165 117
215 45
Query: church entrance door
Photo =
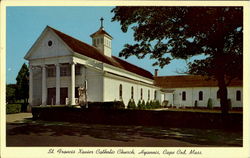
51 96
63 95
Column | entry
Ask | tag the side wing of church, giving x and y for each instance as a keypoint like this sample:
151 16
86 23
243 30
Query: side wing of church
59 64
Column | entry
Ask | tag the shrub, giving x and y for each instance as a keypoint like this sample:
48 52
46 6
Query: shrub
151 103
209 104
157 104
106 105
148 105
131 104
165 103
143 104
13 108
139 104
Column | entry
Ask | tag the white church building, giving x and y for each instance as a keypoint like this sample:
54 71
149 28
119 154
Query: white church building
59 64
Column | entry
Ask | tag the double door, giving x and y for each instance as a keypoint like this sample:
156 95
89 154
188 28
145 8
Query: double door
51 99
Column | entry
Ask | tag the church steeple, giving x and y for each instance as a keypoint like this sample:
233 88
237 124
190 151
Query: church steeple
102 40
102 23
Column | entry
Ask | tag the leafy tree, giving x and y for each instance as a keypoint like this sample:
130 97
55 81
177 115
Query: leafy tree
166 33
22 83
10 93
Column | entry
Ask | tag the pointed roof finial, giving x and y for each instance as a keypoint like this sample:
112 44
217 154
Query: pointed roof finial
101 22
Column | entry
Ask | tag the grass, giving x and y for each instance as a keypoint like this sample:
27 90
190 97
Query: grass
198 110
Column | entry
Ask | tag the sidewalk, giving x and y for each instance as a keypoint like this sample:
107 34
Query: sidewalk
19 117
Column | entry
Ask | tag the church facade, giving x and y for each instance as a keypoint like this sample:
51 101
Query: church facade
59 64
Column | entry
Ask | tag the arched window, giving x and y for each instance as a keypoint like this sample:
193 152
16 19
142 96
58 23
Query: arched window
148 94
141 93
155 95
238 95
183 95
120 91
200 95
132 92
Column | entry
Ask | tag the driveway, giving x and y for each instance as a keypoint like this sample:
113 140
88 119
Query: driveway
23 131
19 117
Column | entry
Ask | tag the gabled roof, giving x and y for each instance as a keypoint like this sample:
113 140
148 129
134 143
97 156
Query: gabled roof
190 81
101 31
92 52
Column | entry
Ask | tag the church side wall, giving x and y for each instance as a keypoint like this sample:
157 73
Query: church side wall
95 85
192 95
111 90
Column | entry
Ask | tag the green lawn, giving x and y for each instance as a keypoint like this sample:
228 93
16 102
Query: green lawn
198 110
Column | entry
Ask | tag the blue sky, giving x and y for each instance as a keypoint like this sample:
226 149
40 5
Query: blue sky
25 24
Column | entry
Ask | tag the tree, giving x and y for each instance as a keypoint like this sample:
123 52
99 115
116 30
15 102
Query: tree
23 83
10 93
167 33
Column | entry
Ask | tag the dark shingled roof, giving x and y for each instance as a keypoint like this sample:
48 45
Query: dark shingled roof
101 31
92 52
190 81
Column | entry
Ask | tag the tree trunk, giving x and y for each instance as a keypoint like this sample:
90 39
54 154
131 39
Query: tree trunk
223 95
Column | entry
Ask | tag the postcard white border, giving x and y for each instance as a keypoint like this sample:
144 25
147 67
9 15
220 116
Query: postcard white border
36 152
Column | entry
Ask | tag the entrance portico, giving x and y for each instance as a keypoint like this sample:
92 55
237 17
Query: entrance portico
54 76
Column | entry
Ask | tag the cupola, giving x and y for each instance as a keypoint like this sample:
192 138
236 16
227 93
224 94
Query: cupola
102 40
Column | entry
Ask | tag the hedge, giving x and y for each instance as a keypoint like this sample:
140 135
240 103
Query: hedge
171 119
13 108
106 105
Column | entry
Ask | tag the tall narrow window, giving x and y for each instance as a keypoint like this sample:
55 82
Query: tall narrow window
238 95
141 93
120 91
183 95
132 92
148 94
200 95
218 94
155 95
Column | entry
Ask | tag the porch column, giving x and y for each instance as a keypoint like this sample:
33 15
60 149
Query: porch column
44 86
72 83
30 85
57 84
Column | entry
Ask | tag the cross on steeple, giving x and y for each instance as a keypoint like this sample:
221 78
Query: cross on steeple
101 22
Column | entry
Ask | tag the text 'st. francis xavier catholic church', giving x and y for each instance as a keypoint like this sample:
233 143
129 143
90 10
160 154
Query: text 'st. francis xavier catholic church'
59 64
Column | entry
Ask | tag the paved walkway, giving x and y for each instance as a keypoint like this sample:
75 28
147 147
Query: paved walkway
19 117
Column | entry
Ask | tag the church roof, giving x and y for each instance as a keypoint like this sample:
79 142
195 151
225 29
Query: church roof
101 31
92 52
190 81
